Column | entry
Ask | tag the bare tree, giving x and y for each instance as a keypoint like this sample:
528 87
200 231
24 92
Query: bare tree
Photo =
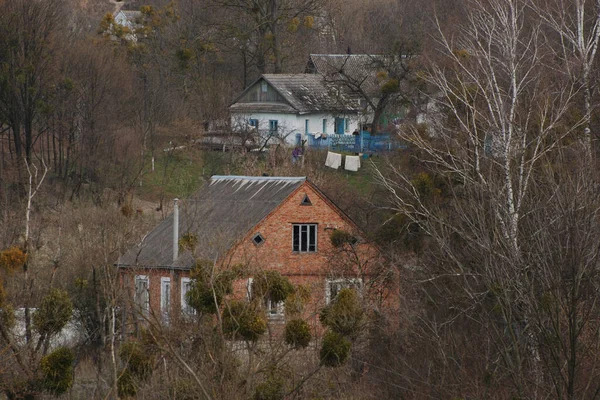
577 25
378 82
269 20
27 38
489 194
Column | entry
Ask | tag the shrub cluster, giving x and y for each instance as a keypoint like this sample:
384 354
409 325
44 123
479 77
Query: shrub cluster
139 362
57 370
335 349
339 238
54 312
209 288
344 317
271 389
272 285
12 259
241 319
345 314
297 333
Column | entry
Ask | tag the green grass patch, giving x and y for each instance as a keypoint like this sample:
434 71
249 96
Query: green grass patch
178 173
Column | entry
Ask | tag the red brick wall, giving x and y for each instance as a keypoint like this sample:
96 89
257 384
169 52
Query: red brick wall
275 253
154 275
310 269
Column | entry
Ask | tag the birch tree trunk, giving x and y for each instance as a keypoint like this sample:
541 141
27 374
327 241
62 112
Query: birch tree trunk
500 150
577 26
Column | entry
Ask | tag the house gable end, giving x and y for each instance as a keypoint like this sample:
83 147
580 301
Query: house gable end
276 230
262 91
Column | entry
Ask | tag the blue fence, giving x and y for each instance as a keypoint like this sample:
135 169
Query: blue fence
363 143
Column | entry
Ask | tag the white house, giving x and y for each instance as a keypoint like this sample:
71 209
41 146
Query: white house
128 19
290 107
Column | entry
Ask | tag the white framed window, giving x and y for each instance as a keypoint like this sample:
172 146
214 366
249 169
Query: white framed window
186 286
324 125
249 289
304 238
274 309
142 293
165 297
334 286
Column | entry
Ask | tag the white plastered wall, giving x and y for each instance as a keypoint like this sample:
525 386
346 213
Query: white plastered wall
289 125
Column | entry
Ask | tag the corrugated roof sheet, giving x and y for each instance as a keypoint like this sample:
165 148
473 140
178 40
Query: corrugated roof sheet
218 215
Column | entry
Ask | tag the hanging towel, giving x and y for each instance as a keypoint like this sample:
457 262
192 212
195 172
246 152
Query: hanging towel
334 160
352 163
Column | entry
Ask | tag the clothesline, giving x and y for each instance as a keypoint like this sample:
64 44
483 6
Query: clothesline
334 160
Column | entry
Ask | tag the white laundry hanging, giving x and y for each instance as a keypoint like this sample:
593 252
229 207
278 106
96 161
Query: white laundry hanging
334 160
352 163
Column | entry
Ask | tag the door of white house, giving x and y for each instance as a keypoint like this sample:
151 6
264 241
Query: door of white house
339 126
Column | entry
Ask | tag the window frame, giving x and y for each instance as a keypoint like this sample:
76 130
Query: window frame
145 308
308 238
267 302
278 307
344 284
262 239
324 125
273 126
249 289
186 309
253 122
165 301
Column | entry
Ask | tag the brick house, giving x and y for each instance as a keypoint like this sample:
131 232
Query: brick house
268 223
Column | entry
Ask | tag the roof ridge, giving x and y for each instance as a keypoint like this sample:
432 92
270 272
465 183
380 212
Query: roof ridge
259 178
347 55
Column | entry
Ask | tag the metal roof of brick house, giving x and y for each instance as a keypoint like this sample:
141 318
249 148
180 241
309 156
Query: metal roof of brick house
218 215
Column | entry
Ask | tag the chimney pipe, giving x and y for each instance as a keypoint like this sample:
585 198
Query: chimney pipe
175 229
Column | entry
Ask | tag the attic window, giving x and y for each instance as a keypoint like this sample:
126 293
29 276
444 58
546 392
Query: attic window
306 201
258 239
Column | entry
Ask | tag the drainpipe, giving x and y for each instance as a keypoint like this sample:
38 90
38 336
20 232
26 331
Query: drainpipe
175 229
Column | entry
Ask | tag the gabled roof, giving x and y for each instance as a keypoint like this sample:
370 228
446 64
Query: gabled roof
304 93
218 215
309 92
126 16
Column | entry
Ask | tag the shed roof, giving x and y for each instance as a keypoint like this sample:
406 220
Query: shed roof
355 67
218 215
